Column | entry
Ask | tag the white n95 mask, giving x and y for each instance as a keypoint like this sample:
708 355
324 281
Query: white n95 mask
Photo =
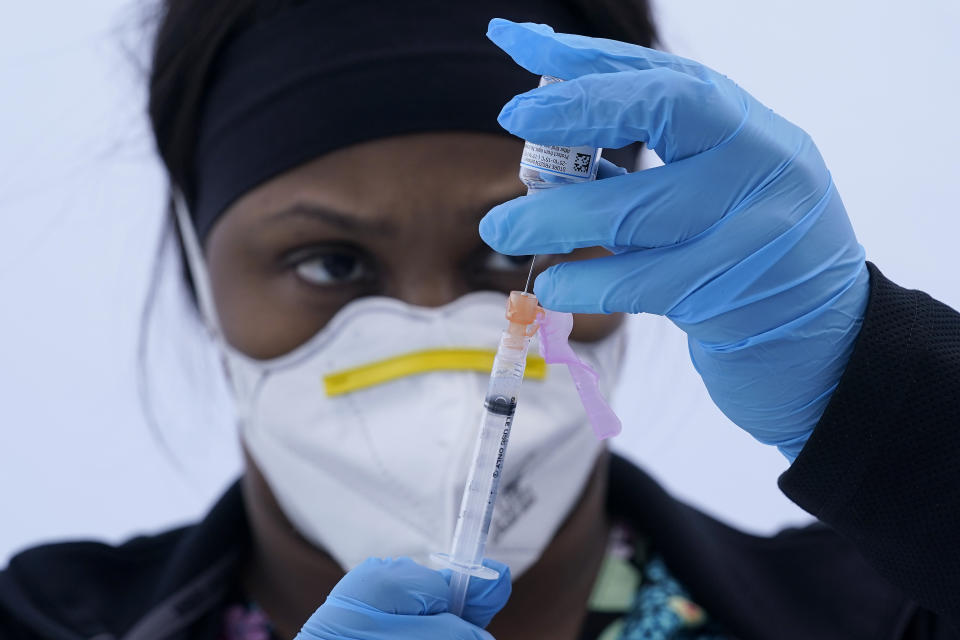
365 433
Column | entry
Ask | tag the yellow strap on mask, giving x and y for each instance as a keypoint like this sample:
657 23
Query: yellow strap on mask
409 364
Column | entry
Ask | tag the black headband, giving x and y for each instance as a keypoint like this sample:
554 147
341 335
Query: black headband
322 75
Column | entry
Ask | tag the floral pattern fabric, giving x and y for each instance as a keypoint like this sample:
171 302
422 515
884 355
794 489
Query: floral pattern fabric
246 622
663 610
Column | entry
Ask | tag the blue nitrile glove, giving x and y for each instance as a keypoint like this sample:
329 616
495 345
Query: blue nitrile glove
740 238
402 600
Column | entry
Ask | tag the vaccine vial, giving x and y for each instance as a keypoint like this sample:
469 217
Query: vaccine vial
543 167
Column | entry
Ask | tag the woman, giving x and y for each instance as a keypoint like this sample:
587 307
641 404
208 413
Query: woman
331 162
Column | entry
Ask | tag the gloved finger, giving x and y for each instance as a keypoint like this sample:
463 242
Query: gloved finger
540 49
717 283
625 282
345 619
395 586
606 169
485 598
645 209
677 115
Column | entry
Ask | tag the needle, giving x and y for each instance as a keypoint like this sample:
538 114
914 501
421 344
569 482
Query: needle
533 260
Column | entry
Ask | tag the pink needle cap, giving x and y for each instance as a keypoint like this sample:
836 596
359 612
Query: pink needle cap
555 330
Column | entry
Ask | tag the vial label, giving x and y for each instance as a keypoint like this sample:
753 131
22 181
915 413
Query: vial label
574 162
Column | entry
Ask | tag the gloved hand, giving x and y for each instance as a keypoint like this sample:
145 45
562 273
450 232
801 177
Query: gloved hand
402 600
740 238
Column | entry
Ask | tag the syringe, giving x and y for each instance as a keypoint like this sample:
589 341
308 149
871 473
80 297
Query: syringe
480 494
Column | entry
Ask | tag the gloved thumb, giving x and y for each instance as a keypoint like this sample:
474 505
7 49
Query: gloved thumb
393 585
485 598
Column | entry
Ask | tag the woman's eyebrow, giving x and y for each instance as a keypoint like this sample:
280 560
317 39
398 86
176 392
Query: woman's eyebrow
342 220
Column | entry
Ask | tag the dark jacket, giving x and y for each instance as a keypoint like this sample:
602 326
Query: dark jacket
882 469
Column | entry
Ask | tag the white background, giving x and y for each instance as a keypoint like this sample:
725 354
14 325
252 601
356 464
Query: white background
81 199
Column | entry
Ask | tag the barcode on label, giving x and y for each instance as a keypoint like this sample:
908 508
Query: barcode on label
581 163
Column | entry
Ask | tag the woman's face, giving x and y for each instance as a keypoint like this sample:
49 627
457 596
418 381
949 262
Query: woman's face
392 217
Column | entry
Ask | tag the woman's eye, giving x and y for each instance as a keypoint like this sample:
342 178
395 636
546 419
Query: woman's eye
500 262
332 268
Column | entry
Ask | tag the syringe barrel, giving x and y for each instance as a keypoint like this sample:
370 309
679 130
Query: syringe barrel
480 493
